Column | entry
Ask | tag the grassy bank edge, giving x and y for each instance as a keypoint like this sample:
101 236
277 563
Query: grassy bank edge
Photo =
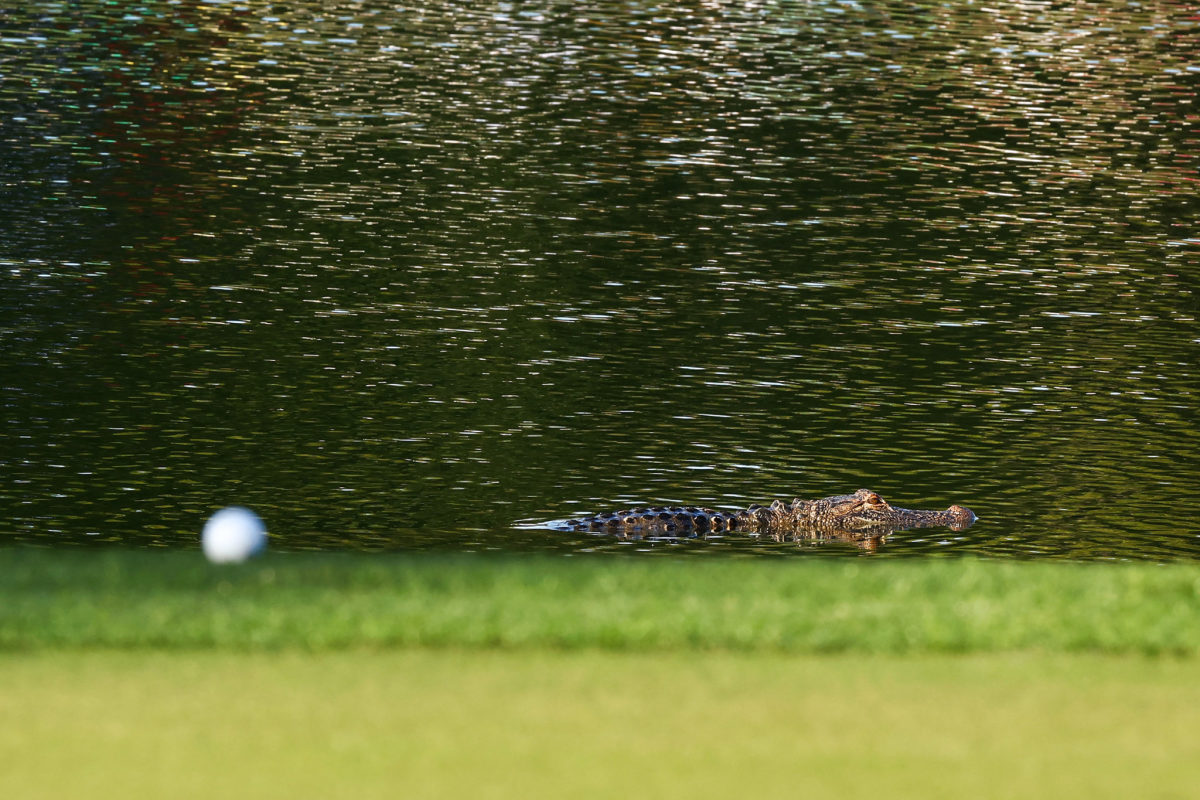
321 601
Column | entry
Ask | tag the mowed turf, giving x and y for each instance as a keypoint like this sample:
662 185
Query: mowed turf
154 674
319 601
450 723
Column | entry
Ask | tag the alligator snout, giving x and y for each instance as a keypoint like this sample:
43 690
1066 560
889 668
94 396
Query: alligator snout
961 517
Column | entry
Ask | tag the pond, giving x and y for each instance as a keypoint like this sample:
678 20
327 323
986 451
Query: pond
407 277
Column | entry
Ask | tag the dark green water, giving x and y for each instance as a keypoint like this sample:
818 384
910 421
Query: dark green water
401 277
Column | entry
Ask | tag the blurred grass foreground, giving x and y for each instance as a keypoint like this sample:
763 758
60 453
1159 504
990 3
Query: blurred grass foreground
148 599
155 674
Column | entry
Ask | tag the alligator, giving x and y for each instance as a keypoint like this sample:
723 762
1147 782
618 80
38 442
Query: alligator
862 514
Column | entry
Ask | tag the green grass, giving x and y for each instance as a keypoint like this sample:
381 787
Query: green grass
308 675
314 601
444 723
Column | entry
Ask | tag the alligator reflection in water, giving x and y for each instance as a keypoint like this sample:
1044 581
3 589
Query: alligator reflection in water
862 516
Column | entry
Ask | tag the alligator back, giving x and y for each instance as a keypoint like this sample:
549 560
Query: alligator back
672 519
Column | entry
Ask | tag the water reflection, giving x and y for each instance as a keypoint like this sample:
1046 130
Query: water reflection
401 277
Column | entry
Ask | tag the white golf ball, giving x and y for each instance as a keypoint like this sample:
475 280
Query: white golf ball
232 535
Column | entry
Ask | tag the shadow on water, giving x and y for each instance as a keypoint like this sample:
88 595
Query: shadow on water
403 278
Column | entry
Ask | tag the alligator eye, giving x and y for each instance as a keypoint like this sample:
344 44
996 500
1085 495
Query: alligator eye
875 499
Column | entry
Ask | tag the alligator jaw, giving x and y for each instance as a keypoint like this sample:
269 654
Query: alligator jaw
956 518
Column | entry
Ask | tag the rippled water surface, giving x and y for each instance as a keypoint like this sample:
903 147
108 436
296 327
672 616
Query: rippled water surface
403 276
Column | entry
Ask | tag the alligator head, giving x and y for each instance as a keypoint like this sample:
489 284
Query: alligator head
867 509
